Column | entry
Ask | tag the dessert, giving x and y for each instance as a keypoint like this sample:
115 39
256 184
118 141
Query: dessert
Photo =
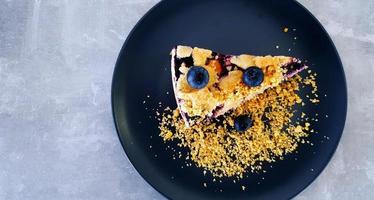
237 113
208 84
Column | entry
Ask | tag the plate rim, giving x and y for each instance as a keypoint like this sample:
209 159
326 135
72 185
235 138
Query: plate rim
324 31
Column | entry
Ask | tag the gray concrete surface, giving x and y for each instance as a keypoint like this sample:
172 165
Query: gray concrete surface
57 139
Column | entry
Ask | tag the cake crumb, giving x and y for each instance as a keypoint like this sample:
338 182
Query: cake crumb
168 135
215 147
285 30
243 187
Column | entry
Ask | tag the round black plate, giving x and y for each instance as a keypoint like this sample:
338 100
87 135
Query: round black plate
231 27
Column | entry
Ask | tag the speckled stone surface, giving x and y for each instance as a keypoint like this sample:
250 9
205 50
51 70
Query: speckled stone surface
57 138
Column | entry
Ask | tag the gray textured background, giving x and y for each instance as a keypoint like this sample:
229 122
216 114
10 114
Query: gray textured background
57 139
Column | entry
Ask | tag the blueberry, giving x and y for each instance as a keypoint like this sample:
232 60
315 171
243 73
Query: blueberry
242 123
253 76
197 77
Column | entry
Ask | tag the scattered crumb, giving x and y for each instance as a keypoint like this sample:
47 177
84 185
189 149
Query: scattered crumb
285 30
217 148
302 115
143 102
295 38
243 187
277 46
148 96
205 185
168 135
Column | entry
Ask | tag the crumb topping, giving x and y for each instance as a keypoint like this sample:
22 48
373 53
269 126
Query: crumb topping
183 51
200 56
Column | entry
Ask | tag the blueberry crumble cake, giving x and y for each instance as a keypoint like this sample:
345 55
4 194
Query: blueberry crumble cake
208 84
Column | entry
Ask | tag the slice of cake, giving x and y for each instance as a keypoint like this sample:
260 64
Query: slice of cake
208 84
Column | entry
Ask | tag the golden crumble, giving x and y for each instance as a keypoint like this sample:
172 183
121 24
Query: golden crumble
183 51
218 148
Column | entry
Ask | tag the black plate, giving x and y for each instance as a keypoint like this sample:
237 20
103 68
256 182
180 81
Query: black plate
232 27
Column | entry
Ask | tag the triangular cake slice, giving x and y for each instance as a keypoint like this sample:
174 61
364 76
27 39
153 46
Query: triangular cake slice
225 89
